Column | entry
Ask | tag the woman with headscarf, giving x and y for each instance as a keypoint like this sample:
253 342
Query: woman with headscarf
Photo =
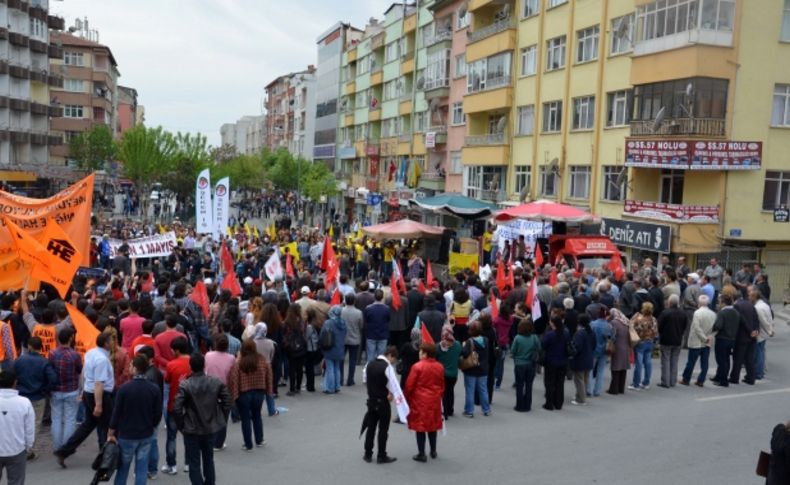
423 391
622 346
250 380
447 354
265 347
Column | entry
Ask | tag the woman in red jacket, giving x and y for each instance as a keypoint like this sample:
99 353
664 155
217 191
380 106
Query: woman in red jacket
424 390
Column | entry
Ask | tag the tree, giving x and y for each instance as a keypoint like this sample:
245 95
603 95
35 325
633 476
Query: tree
191 156
147 155
318 181
93 149
224 153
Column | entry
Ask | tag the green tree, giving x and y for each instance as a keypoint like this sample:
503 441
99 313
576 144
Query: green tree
147 155
318 181
93 149
191 156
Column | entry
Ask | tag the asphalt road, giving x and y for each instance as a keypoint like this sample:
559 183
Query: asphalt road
660 436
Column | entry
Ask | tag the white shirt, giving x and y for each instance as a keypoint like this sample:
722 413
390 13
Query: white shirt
98 368
18 422
766 320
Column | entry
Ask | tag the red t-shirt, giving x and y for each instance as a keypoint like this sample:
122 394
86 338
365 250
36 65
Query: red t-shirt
142 341
162 351
177 370
131 328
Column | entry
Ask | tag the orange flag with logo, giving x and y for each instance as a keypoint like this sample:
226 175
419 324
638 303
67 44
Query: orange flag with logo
64 258
86 332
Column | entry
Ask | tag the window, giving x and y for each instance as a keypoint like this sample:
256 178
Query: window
486 183
716 15
526 120
613 191
552 116
460 65
555 53
437 72
362 66
554 3
455 163
671 186
73 58
587 44
548 179
777 190
619 108
583 113
458 113
781 111
360 132
785 32
682 98
74 85
361 99
523 180
72 111
528 60
579 184
392 51
622 34
38 29
391 89
531 7
668 17
462 18
419 122
489 73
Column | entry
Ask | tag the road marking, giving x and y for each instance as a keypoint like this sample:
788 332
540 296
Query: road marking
745 394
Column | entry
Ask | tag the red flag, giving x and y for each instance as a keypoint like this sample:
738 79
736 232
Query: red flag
616 266
428 274
553 277
531 291
401 280
538 256
327 254
200 296
289 267
426 335
395 296
225 258
231 283
494 307
510 277
329 264
336 297
421 287
500 276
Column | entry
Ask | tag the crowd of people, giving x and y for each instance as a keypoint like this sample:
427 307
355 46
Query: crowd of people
181 343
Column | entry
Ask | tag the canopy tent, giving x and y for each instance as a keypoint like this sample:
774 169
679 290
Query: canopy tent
403 229
545 210
456 205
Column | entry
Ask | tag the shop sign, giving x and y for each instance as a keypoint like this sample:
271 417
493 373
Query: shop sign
672 212
639 235
694 155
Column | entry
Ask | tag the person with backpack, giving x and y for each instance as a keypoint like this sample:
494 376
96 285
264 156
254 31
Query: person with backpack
295 348
331 341
474 364
525 350
582 362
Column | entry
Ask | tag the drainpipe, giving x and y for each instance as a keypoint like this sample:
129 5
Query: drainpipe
595 190
568 106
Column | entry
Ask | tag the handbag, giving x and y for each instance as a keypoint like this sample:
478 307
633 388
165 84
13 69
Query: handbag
610 346
471 360
762 464
633 337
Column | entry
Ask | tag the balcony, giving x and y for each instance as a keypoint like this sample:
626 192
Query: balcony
484 140
498 155
18 39
55 111
437 37
493 29
407 65
54 140
375 113
350 88
351 55
437 88
38 46
410 23
681 126
38 139
18 4
377 76
439 135
55 52
486 194
348 120
19 104
39 109
372 148
494 98
679 213
20 137
19 72
56 23
39 76
405 106
55 81
377 42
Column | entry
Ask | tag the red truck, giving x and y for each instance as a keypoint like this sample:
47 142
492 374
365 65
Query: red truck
591 251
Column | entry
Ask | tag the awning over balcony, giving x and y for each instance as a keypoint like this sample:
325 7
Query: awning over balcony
693 154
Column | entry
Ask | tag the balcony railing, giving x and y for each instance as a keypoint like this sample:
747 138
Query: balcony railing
494 82
485 194
438 37
407 56
438 128
404 137
680 126
436 83
487 139
493 29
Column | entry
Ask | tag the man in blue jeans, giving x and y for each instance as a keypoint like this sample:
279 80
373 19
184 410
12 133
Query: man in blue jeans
136 415
377 326
63 400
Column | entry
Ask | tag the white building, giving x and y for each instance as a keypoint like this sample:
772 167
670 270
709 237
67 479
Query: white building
304 86
247 135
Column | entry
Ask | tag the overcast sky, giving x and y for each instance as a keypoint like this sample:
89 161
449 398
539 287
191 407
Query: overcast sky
197 64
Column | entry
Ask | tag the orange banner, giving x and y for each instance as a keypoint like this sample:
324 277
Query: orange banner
70 208
86 332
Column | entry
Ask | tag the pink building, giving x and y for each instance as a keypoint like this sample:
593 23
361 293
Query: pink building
127 109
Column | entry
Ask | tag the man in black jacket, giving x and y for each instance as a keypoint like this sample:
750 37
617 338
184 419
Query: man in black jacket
135 416
745 342
656 297
377 374
201 409
414 302
432 318
726 327
671 325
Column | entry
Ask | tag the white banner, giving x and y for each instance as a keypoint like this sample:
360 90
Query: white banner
531 230
203 216
147 247
221 207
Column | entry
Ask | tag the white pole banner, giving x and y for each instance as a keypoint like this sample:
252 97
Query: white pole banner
203 217
221 207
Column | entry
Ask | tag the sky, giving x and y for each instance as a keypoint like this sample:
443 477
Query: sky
197 64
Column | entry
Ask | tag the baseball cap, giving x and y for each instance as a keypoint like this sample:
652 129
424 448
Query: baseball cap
305 290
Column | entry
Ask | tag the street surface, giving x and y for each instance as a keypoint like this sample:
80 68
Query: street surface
660 436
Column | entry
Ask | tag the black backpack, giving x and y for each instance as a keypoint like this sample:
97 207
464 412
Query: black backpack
326 340
295 344
570 347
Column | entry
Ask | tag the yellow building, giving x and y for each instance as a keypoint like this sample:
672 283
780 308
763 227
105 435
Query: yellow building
667 118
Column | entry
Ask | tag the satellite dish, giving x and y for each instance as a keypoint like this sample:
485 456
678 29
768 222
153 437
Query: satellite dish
658 120
555 163
501 125
524 194
621 177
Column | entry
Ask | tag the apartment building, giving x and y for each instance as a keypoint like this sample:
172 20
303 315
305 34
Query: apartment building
127 109
283 111
89 94
25 83
247 135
